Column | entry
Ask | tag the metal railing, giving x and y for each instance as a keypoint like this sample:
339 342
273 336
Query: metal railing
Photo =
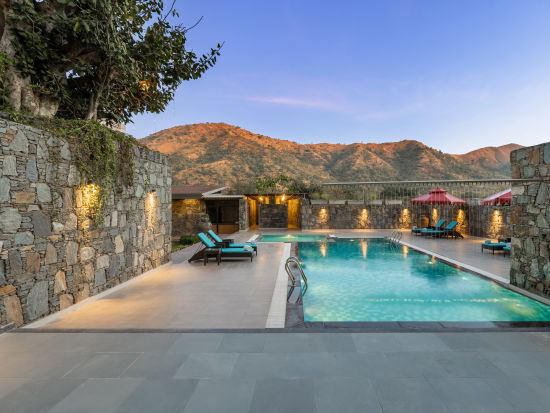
293 280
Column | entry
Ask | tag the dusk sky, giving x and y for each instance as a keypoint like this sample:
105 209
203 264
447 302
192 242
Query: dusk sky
456 75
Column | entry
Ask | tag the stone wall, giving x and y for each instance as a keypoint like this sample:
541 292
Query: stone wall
186 216
530 266
478 220
244 215
51 253
273 215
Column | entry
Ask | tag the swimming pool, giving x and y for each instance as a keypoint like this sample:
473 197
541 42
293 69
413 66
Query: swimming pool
370 280
292 238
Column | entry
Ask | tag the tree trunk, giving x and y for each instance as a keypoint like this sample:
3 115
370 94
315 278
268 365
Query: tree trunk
21 96
93 105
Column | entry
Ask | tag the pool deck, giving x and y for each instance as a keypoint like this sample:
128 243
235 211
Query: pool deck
132 350
275 372
235 294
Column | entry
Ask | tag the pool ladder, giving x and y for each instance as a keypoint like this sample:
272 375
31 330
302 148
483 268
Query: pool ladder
395 237
293 280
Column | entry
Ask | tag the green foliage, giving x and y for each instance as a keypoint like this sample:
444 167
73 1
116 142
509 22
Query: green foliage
283 184
4 81
189 239
184 242
104 157
104 58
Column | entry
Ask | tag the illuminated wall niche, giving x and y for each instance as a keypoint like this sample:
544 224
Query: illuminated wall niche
405 219
151 204
495 226
364 219
323 216
434 215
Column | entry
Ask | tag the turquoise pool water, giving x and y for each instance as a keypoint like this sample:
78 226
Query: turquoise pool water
369 280
293 238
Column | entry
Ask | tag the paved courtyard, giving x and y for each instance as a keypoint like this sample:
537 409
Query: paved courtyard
275 372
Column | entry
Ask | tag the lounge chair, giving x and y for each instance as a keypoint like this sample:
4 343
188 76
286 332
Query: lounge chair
228 243
501 245
416 230
448 231
211 250
506 249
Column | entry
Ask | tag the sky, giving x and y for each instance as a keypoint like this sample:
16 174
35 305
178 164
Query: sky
455 75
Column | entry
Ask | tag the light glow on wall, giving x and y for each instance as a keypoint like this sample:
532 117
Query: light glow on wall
151 209
364 219
434 215
405 219
495 226
323 216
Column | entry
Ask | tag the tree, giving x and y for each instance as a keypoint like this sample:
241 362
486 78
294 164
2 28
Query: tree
90 59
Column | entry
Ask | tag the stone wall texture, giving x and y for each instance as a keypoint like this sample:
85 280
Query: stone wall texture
51 254
186 217
273 215
478 220
530 266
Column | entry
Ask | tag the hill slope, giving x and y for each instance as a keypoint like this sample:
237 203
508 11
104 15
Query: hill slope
217 153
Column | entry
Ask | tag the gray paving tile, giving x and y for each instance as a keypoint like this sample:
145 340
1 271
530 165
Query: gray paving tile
331 342
521 363
104 365
283 395
421 342
293 365
464 341
376 342
40 365
416 364
221 395
9 385
37 395
153 365
97 395
22 342
511 341
346 395
470 395
464 364
207 366
287 343
196 343
242 343
410 395
159 396
530 394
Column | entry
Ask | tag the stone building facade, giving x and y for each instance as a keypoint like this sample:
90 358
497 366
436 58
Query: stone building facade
530 265
51 253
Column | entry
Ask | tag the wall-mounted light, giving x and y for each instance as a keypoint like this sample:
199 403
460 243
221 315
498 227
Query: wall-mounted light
283 198
150 208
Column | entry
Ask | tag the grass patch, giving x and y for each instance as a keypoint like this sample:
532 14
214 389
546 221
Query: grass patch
184 242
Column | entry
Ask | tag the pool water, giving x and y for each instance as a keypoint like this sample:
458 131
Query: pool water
293 238
371 280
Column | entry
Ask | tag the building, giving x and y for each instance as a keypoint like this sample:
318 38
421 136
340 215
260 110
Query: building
196 208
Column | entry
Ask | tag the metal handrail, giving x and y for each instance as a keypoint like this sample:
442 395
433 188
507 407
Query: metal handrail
293 281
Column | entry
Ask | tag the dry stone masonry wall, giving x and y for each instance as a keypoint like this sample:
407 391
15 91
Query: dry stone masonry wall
530 266
478 220
51 254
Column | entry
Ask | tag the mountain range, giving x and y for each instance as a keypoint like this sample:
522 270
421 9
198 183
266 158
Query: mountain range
222 154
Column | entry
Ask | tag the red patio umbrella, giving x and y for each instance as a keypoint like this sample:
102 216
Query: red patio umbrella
438 196
500 198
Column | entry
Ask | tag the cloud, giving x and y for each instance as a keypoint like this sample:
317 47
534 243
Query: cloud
314 103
